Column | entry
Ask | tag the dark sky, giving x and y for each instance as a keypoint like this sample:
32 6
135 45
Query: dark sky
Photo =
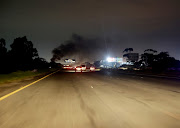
140 24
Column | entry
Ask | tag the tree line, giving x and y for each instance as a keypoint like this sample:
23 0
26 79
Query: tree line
21 56
155 61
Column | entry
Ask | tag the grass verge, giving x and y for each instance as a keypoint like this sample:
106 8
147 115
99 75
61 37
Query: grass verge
21 75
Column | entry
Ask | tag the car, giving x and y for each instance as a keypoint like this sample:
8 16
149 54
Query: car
92 68
137 69
83 67
66 67
123 68
78 68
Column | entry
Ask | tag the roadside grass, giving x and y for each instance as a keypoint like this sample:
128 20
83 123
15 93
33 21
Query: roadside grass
20 75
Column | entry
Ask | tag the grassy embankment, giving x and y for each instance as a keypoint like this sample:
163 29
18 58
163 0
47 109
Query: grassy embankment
21 75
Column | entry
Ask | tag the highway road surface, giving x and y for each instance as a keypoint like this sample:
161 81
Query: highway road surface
94 100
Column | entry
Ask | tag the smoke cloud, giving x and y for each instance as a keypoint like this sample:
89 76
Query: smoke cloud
84 49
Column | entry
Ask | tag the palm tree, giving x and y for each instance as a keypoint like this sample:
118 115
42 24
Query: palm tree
150 50
128 50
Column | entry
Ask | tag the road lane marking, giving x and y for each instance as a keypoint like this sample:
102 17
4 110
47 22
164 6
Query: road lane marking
21 88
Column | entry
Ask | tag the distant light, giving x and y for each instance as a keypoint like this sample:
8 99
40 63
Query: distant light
109 59
114 59
70 60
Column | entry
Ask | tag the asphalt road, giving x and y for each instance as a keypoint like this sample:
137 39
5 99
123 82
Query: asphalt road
94 100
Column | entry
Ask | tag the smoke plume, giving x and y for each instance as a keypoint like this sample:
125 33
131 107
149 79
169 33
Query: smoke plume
79 46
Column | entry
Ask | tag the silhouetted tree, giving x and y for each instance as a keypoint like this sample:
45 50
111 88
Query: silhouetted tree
40 63
97 64
150 50
163 62
3 56
3 50
125 55
158 62
128 50
22 54
148 57
162 55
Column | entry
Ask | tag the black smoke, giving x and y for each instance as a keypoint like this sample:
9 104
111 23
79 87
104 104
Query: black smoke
80 46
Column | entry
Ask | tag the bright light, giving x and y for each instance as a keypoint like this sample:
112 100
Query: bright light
114 59
92 68
109 59
78 68
69 60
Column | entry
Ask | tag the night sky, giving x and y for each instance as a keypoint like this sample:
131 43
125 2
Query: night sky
140 24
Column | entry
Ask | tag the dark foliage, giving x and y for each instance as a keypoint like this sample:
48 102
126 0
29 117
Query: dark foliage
40 63
150 50
3 55
128 50
22 52
97 64
21 56
159 62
